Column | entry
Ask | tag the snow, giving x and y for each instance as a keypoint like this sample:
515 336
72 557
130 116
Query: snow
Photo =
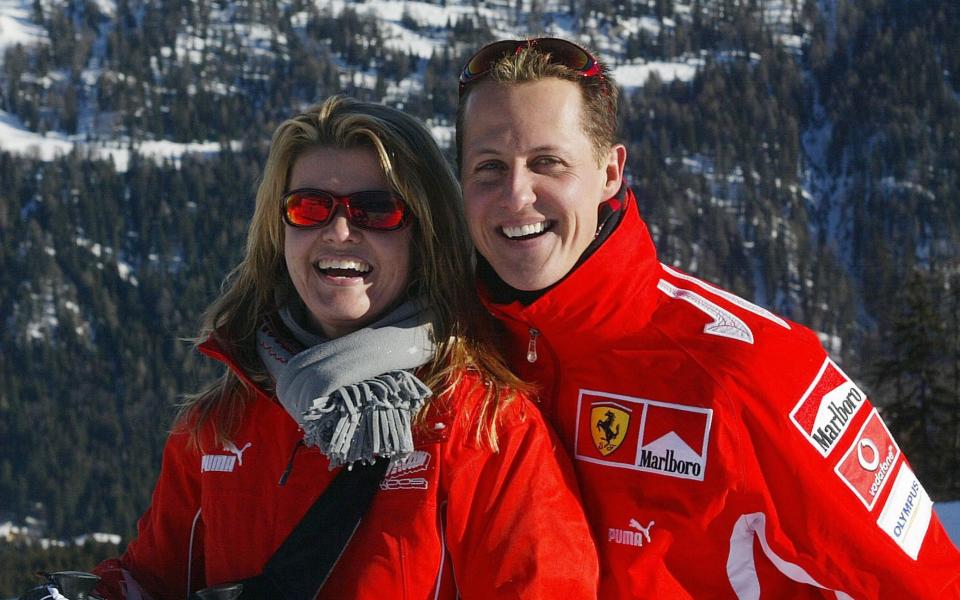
17 139
833 344
648 25
636 75
14 137
107 7
126 273
429 36
444 134
427 16
949 513
98 537
16 27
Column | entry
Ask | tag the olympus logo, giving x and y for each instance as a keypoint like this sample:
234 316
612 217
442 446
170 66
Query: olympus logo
907 509
907 512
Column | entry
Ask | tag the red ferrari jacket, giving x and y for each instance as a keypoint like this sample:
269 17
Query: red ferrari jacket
452 520
720 452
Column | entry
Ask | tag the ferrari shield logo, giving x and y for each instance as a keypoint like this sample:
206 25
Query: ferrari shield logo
609 426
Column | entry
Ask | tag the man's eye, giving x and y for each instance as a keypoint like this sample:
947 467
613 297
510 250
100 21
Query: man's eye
547 161
489 166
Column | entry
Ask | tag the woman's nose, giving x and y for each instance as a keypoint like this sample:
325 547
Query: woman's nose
338 229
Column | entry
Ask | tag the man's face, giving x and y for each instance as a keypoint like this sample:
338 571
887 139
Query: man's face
531 182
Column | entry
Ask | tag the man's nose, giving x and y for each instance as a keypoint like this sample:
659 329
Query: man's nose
520 190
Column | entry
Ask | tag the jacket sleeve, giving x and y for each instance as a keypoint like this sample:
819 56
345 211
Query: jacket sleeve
514 524
168 548
835 502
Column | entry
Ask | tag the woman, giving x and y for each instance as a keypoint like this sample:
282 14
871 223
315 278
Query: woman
352 337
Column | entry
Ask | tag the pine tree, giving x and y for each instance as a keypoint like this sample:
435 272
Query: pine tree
911 376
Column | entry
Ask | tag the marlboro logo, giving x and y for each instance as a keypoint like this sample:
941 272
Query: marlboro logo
827 408
643 435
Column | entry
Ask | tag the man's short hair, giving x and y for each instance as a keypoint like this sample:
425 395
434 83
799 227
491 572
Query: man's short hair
529 64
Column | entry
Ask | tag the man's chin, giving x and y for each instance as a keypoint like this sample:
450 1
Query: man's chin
528 280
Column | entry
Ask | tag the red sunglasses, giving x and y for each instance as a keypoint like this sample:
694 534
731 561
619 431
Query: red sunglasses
376 210
561 52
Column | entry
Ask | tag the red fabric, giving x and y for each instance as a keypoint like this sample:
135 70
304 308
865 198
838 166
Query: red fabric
675 400
457 517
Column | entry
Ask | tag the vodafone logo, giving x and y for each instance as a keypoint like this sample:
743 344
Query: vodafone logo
872 463
826 409
643 435
866 465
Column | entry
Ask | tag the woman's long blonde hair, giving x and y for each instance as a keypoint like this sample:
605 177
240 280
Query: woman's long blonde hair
442 271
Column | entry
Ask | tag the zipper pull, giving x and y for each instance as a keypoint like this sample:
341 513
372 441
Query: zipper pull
286 472
532 346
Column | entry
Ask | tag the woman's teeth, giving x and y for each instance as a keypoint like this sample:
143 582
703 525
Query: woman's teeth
342 267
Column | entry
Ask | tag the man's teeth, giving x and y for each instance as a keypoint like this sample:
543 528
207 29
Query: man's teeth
353 265
515 232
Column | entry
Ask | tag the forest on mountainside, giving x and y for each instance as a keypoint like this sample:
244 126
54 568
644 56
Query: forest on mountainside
820 179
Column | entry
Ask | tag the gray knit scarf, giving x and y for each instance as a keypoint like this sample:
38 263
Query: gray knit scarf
354 396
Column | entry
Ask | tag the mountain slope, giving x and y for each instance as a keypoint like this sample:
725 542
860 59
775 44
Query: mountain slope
803 155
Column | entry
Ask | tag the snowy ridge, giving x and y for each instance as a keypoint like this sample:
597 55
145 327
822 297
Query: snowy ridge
16 26
418 28
14 137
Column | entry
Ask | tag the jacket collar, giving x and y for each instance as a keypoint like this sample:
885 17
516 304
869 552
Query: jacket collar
614 286
430 430
216 349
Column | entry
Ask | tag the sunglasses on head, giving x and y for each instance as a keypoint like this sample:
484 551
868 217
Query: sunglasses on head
376 210
561 52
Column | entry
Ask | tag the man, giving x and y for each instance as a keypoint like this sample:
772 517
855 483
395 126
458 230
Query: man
720 452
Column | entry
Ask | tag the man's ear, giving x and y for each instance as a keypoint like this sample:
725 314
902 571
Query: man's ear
613 166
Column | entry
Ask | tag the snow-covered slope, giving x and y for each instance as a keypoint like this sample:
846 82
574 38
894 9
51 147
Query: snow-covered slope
949 513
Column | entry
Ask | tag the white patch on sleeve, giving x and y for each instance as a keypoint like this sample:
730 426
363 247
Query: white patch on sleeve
732 298
906 515
724 323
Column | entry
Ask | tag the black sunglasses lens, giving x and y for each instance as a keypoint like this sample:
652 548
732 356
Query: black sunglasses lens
566 54
561 52
307 208
486 57
376 210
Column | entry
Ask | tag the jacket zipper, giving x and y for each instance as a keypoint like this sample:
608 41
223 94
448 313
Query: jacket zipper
286 472
532 346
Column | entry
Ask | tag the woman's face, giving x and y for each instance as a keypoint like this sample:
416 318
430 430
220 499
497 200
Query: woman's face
346 276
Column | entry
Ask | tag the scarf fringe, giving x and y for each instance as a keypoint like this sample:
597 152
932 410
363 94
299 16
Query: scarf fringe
366 420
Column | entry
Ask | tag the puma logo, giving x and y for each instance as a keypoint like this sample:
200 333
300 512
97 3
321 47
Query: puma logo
644 530
223 463
232 448
627 537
